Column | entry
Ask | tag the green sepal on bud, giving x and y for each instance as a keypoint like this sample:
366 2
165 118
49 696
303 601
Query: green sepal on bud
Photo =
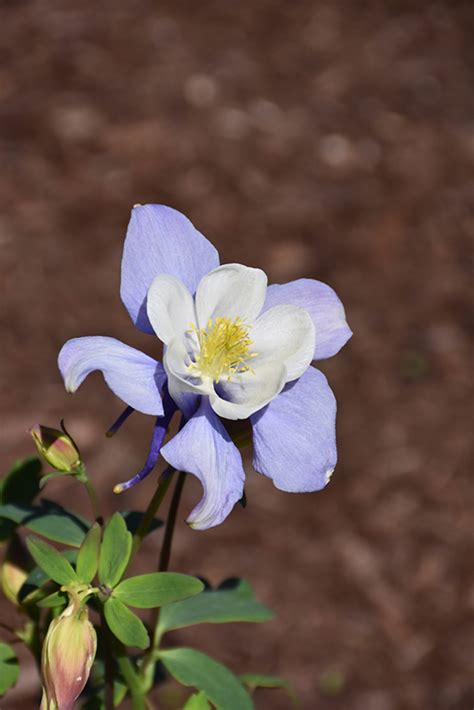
68 654
57 448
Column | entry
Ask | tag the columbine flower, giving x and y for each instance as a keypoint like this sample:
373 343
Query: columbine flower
234 348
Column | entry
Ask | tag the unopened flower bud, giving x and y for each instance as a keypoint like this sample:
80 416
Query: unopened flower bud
14 569
67 657
56 447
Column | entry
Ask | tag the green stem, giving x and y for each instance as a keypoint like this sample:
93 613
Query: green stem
131 678
143 528
91 492
82 476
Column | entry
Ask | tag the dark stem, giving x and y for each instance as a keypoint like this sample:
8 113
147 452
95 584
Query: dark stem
146 521
170 523
149 660
108 662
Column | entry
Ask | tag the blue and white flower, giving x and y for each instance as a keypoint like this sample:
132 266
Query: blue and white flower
234 348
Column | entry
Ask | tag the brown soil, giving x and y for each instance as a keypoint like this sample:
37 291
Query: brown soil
332 140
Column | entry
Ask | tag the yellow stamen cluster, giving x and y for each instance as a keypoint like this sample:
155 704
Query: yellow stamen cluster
223 348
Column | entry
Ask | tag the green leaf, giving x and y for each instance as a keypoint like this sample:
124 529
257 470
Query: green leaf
52 601
51 561
114 551
9 668
133 518
88 557
37 578
157 588
215 607
49 520
19 486
21 483
195 669
197 701
255 680
125 625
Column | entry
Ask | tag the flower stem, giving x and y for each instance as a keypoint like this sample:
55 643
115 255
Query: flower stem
143 528
108 663
149 661
131 678
82 476
170 523
91 492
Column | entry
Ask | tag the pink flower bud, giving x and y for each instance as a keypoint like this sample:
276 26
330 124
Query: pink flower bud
67 657
56 447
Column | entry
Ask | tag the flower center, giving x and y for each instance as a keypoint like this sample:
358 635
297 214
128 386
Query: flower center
224 348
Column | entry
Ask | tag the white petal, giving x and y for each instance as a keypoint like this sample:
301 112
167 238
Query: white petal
176 360
170 307
248 392
284 333
231 291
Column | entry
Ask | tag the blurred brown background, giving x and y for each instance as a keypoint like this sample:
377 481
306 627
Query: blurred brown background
332 140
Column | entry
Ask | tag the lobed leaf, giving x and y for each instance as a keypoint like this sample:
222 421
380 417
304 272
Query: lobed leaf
215 607
37 577
125 625
88 556
114 551
9 668
51 561
50 520
147 591
195 669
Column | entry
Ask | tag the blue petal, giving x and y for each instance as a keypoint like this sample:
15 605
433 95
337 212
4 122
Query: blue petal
324 307
204 448
294 437
133 376
161 240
